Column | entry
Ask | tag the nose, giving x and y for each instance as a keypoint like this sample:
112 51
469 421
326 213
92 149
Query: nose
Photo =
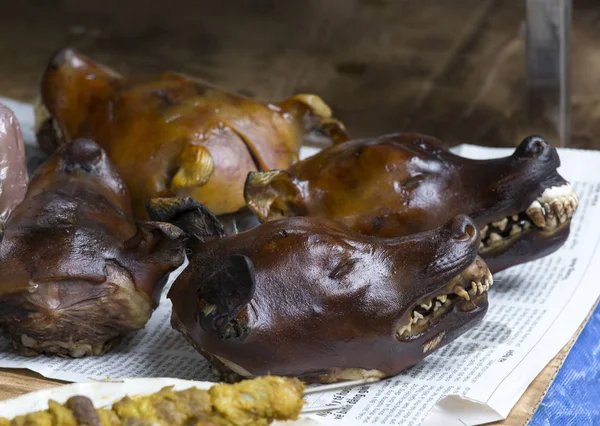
463 229
81 153
533 147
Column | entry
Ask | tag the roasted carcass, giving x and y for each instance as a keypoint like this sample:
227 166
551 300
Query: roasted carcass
255 402
13 171
308 297
77 272
174 135
400 184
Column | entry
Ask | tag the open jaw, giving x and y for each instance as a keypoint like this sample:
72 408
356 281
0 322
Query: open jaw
547 214
465 293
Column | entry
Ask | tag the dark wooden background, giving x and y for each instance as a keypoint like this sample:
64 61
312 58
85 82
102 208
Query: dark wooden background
454 70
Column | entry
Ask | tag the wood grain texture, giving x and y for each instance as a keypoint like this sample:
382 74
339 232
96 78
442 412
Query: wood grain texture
453 70
15 382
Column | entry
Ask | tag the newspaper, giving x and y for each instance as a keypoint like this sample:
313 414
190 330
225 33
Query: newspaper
534 310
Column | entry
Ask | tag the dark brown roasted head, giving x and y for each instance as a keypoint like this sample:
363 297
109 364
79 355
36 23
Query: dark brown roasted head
173 135
404 183
308 297
77 272
13 171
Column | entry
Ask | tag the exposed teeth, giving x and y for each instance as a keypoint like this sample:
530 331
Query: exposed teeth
536 213
473 290
555 206
208 309
461 292
515 229
478 286
559 210
484 231
501 224
495 239
427 306
551 219
404 330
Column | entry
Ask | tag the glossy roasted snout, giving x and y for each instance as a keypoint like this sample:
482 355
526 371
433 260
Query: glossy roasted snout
84 153
463 230
454 247
534 147
545 157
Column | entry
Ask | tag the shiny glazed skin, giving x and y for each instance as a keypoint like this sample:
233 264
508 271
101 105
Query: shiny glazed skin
13 169
173 135
77 272
317 298
399 184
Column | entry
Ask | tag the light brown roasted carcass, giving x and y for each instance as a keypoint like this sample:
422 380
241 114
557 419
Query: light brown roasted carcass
174 135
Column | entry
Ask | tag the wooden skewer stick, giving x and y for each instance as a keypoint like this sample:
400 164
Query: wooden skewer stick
337 386
322 408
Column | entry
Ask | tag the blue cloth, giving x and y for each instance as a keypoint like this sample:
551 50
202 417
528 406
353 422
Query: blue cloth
574 397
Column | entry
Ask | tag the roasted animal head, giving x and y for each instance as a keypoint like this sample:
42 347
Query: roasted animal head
13 170
173 135
404 183
308 297
77 272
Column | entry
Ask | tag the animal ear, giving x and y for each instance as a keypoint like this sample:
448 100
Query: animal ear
315 114
157 246
196 166
152 235
188 214
223 296
272 195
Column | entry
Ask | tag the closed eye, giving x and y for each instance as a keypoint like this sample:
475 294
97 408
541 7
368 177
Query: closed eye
342 269
413 182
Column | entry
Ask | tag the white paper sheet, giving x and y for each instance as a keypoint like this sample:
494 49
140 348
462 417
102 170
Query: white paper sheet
534 310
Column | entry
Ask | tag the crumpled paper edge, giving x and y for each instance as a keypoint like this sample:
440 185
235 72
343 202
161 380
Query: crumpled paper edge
456 410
